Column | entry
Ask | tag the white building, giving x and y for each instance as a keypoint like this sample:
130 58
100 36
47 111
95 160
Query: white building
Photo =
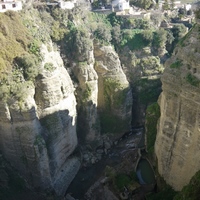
6 5
66 4
121 4
188 7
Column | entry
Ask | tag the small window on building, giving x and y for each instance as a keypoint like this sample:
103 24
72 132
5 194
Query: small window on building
3 6
13 5
194 70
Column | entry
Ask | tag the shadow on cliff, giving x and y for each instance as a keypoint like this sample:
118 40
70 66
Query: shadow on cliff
12 186
145 92
60 136
48 147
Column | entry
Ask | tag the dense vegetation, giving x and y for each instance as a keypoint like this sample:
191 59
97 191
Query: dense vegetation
145 4
121 180
19 56
191 79
192 190
23 33
164 191
152 116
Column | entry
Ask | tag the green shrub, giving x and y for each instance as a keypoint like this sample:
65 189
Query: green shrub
138 42
152 116
160 38
192 80
30 65
114 19
121 181
38 24
114 93
3 67
60 15
150 65
14 39
177 64
145 4
116 36
4 91
133 38
147 35
103 33
49 67
58 32
78 43
127 35
19 90
87 93
34 48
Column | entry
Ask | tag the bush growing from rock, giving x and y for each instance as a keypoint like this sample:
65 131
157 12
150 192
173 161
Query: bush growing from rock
30 65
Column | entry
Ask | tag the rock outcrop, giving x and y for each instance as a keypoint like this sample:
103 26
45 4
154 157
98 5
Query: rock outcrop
38 133
178 139
114 92
104 97
87 96
39 126
87 101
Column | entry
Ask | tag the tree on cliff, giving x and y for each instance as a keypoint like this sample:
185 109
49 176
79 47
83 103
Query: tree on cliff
145 4
103 33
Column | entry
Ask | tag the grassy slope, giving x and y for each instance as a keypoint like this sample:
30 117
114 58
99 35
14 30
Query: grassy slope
14 39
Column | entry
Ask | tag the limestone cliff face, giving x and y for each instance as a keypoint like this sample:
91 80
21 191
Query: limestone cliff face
103 94
178 139
38 134
87 96
114 93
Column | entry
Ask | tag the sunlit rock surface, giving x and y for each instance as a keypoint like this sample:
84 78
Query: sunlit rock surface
178 138
38 134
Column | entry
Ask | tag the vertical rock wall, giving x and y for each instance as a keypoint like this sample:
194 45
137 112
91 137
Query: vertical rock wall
87 97
114 93
38 134
103 94
178 139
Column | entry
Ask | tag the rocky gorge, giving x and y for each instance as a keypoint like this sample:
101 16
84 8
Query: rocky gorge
38 130
39 151
74 84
